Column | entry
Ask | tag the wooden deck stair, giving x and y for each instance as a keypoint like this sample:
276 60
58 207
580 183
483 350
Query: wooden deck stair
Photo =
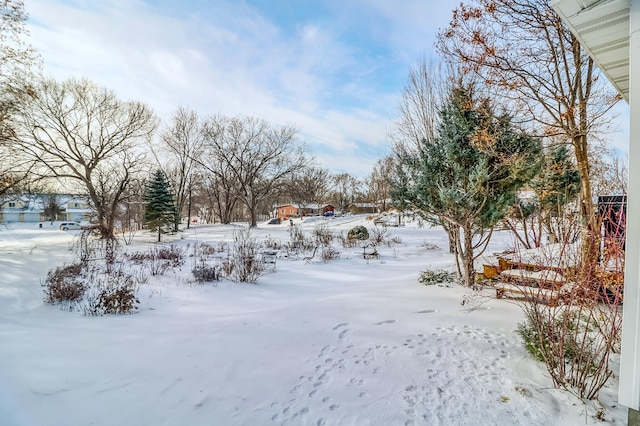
527 281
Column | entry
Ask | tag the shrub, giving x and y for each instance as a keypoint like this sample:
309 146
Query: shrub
576 338
158 260
243 264
111 294
64 284
359 232
430 277
329 253
208 249
206 273
323 235
379 234
173 254
534 343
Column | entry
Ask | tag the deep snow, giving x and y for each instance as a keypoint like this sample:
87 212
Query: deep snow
347 342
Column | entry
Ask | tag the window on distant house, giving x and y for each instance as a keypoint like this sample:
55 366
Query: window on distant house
76 205
12 203
282 211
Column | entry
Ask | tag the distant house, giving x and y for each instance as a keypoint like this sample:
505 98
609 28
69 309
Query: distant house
328 210
360 208
77 208
287 211
316 209
32 207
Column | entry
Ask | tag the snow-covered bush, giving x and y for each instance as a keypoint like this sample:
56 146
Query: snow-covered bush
114 293
206 273
64 284
323 235
431 277
378 234
359 232
329 253
577 337
244 264
159 259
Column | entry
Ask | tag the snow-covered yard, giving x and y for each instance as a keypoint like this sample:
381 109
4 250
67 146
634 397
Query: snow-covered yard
347 342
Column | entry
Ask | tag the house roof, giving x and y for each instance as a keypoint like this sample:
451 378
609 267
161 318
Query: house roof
602 27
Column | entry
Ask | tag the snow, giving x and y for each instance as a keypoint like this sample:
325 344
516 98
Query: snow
347 342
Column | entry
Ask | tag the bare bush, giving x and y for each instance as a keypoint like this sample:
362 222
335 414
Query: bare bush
272 243
114 293
576 338
244 263
173 254
329 253
298 241
64 284
159 259
379 235
322 235
206 273
395 240
346 241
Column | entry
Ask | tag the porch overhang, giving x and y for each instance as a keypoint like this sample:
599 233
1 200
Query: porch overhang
602 26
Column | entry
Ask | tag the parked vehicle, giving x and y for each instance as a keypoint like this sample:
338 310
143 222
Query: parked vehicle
65 226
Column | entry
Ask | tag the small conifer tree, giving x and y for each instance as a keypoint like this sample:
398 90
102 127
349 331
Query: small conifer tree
469 175
160 210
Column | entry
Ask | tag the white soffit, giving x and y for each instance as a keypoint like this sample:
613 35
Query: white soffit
602 26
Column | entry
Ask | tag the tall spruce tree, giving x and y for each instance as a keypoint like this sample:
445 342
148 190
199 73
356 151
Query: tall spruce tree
468 176
160 209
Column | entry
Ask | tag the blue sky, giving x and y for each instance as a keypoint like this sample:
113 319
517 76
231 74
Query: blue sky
335 69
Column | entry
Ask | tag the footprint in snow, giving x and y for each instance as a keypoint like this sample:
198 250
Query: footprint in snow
342 324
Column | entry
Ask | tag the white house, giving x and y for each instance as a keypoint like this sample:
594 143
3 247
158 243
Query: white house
31 207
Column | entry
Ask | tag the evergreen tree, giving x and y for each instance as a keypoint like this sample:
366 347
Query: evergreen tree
160 209
469 175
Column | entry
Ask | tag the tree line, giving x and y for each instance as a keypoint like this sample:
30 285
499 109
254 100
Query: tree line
514 104
87 140
223 168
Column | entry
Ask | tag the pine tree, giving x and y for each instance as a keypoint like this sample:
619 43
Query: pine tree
160 209
469 175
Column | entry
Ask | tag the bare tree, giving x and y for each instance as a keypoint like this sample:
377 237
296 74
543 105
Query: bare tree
17 60
378 186
527 56
609 172
346 190
218 194
80 133
131 211
308 186
254 156
182 142
419 107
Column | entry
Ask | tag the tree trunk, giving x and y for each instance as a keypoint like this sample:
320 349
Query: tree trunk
189 209
452 231
467 258
587 211
254 221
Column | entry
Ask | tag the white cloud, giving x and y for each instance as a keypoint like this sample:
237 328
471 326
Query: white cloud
337 79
